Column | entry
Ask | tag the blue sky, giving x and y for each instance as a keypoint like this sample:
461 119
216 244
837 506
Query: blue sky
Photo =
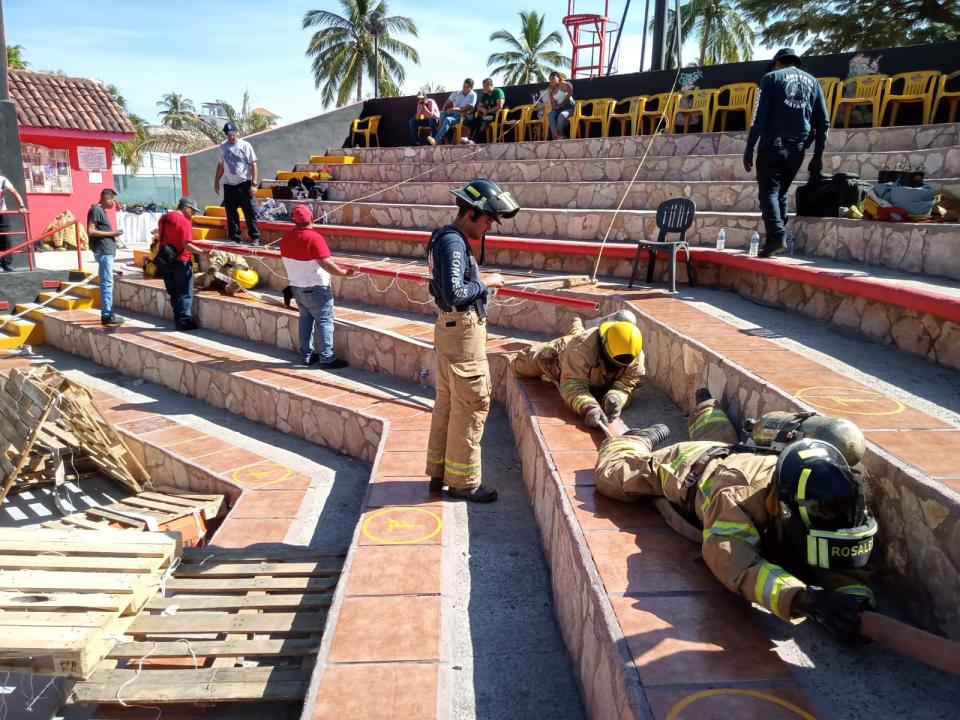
215 50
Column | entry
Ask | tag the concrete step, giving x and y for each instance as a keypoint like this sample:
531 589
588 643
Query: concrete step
59 301
90 290
709 195
854 140
17 332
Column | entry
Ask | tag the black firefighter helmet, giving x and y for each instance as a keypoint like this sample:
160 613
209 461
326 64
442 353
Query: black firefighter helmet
830 525
486 196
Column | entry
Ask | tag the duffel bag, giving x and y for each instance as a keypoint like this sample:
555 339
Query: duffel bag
824 195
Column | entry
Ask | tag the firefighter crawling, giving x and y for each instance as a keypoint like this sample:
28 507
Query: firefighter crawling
779 529
225 272
596 369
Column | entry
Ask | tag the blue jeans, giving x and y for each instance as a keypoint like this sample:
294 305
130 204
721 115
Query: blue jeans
105 273
179 283
416 124
316 310
558 121
776 169
447 121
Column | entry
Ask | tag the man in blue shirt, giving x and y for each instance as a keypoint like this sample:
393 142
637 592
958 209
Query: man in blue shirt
460 340
790 116
460 104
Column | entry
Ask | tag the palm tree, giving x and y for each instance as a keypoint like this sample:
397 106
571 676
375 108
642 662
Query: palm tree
15 59
343 49
528 60
431 87
722 33
175 108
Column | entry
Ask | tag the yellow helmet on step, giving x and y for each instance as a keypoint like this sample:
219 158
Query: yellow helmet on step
622 342
247 277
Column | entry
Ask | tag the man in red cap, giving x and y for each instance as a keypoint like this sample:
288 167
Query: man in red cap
307 261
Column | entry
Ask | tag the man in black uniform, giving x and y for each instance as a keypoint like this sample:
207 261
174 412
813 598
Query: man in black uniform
790 116
460 340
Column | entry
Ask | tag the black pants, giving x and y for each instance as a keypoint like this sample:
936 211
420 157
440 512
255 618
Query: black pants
179 283
237 197
6 242
478 127
776 169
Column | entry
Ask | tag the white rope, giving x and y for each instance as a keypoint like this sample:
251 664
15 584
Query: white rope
46 302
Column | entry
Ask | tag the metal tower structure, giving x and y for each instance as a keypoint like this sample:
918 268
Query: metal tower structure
590 34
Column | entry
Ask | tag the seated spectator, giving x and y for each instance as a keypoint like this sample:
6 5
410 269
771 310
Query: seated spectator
428 115
460 104
561 104
491 102
306 258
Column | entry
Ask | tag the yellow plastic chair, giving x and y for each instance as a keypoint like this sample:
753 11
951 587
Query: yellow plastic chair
831 88
653 108
740 98
860 90
589 112
951 96
509 119
701 103
367 128
535 128
460 129
918 87
627 117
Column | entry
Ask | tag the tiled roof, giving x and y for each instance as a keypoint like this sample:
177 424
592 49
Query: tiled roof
49 100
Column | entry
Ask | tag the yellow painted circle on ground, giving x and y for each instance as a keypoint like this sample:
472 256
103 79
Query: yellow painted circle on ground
431 528
846 400
690 699
261 473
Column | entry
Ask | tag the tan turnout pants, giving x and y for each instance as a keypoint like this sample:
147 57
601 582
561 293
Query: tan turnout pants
463 399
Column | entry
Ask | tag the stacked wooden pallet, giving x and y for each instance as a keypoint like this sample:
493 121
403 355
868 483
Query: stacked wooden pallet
235 625
186 514
65 595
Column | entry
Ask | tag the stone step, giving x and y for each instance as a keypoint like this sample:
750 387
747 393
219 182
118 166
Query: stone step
938 162
709 195
854 140
59 301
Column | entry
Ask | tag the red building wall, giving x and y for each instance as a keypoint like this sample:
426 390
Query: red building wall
44 207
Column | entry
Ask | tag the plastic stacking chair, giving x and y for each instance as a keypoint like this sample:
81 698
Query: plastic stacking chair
701 103
831 87
507 120
366 128
740 98
627 116
535 128
918 87
589 112
653 108
673 216
951 96
860 90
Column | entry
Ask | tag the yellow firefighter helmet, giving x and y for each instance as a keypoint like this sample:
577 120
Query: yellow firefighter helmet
247 277
622 342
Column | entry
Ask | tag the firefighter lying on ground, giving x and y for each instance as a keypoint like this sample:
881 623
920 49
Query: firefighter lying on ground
596 369
777 528
225 272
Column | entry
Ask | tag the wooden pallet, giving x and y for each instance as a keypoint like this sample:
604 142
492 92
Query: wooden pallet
187 514
45 420
253 619
66 594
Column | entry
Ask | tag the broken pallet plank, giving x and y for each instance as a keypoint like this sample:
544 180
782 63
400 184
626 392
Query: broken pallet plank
224 622
287 647
249 584
285 601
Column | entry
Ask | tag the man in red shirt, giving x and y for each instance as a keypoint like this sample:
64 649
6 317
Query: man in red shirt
307 261
176 230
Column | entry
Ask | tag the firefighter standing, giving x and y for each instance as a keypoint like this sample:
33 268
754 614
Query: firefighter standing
605 362
761 513
460 339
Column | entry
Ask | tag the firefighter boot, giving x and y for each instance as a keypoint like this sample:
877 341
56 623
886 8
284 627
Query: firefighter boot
655 434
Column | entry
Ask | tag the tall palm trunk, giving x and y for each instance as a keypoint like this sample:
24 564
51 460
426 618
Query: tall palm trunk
705 41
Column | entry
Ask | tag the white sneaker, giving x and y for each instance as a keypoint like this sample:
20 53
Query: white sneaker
466 141
431 140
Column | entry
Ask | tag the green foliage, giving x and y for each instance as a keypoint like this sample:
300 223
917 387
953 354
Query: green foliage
528 59
15 59
854 24
175 109
343 50
721 32
431 87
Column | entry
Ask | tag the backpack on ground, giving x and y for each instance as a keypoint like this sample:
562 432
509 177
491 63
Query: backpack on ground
824 195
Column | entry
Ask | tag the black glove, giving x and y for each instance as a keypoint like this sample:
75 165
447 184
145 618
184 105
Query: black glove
816 165
612 406
594 417
748 160
838 612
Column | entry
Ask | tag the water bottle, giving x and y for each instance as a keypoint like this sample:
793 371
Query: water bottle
754 244
721 239
791 244
424 374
